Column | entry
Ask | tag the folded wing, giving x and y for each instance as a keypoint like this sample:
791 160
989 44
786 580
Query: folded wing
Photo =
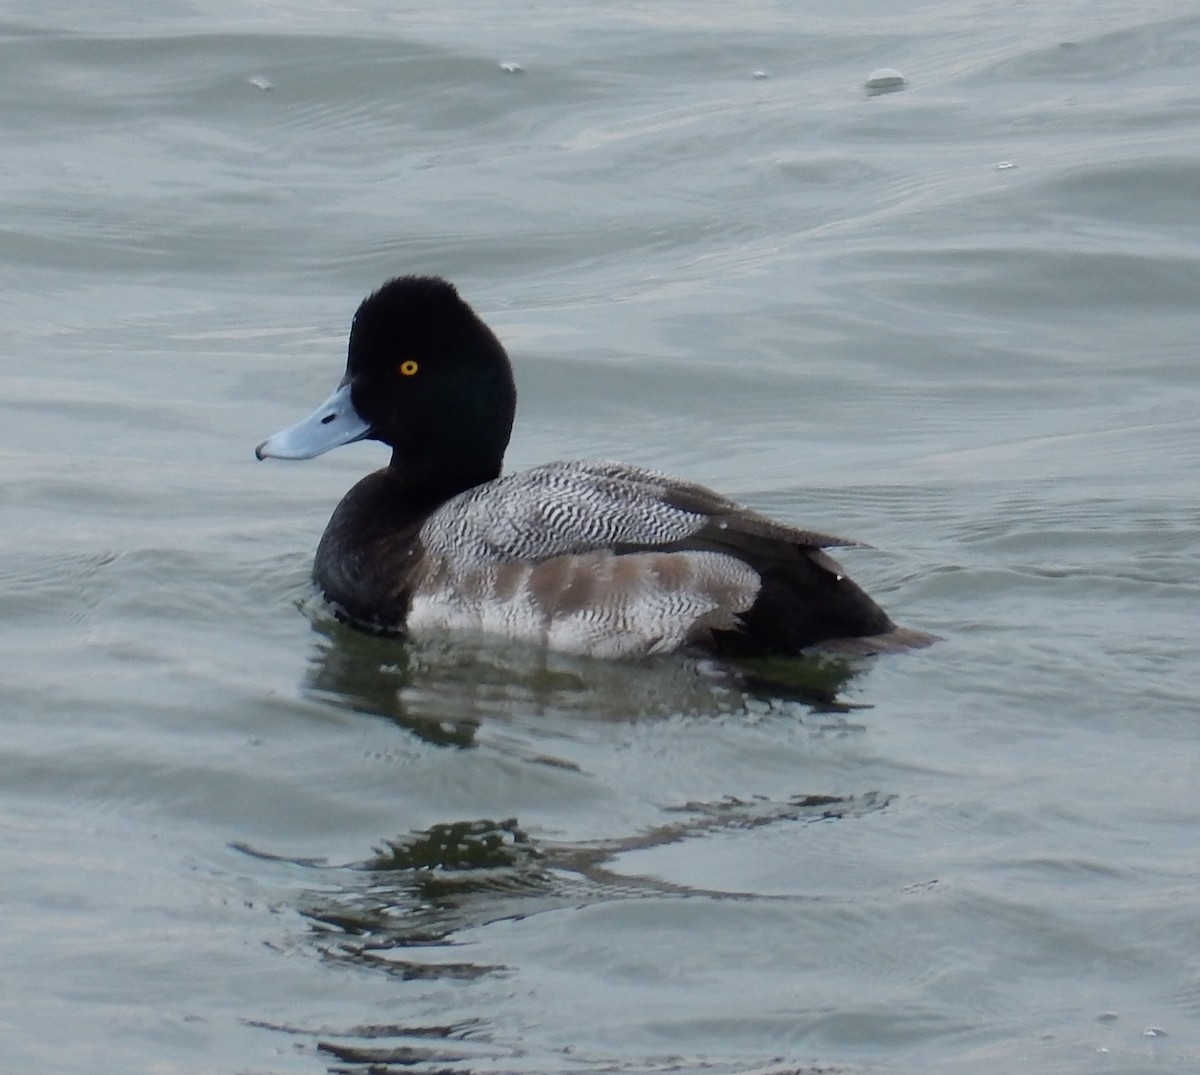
610 559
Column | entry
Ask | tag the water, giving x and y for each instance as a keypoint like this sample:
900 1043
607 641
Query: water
955 320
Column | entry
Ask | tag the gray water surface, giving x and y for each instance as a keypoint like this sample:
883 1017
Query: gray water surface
956 321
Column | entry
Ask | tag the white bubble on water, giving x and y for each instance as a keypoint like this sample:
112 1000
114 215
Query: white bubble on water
884 80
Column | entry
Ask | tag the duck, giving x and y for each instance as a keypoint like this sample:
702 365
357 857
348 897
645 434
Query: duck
595 558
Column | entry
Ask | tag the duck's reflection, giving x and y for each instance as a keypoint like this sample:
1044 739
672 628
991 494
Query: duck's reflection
401 911
442 689
421 889
405 910
379 677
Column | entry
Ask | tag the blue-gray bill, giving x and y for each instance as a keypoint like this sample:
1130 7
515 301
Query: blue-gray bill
334 423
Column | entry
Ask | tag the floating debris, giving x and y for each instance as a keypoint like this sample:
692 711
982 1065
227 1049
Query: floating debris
760 75
1002 165
511 68
885 80
260 83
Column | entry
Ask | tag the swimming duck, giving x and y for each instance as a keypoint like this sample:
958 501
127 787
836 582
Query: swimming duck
587 557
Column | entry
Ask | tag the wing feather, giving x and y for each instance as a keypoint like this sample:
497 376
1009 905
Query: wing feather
568 508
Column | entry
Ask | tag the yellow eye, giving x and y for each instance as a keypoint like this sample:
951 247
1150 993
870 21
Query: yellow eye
408 367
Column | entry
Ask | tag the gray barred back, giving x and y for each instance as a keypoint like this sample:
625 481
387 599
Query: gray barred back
556 510
571 507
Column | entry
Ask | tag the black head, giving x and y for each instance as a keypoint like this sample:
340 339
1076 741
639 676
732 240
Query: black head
431 379
425 376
